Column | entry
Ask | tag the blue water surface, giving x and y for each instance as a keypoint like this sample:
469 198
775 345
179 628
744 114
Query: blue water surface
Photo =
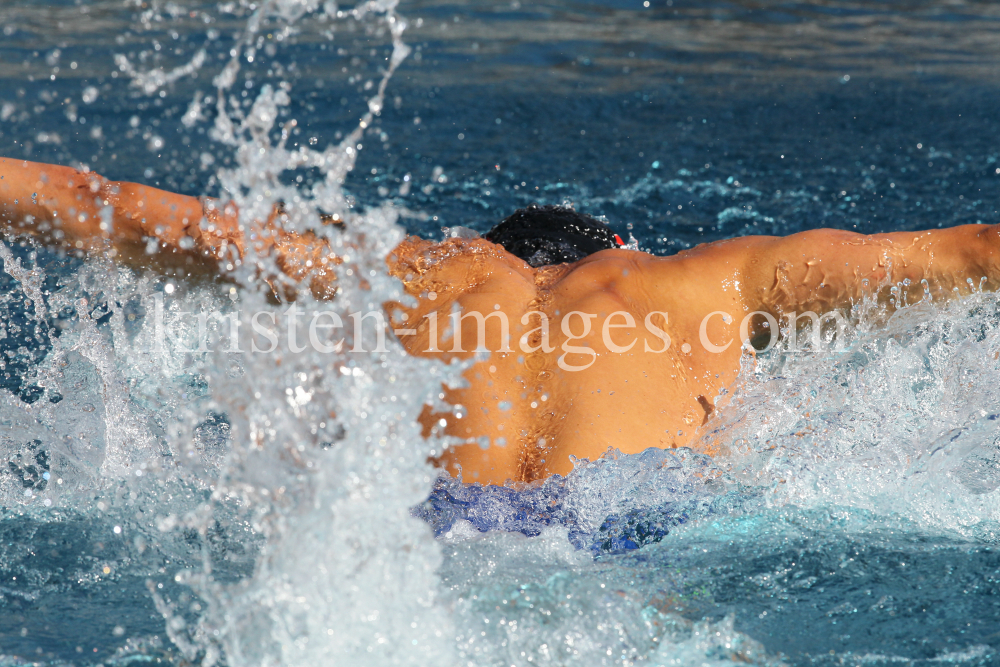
681 123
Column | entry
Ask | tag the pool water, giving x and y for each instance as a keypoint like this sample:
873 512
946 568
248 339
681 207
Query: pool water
162 503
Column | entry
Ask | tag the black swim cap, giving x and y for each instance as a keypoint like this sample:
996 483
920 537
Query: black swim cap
542 235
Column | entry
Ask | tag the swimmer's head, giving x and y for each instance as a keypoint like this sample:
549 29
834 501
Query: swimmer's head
542 235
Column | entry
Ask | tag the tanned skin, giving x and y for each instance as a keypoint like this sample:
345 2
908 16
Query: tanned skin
533 413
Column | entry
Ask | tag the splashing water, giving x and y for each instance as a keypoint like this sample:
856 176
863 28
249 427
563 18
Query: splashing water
812 432
325 584
279 508
322 447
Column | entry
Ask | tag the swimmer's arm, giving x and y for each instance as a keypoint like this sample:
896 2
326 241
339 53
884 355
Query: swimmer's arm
82 210
825 269
143 226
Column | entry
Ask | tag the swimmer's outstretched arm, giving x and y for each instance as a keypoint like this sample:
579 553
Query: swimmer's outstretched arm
74 209
140 225
825 269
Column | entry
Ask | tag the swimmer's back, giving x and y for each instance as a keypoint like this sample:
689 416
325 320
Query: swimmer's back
525 412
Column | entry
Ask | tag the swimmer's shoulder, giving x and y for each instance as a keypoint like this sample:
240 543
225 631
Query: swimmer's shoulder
455 265
703 259
613 267
642 282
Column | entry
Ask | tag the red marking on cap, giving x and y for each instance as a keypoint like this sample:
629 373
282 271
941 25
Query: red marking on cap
619 239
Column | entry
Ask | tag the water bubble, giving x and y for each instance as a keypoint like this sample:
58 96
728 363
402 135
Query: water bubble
48 138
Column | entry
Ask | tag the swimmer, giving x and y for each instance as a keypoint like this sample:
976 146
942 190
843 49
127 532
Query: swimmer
593 346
